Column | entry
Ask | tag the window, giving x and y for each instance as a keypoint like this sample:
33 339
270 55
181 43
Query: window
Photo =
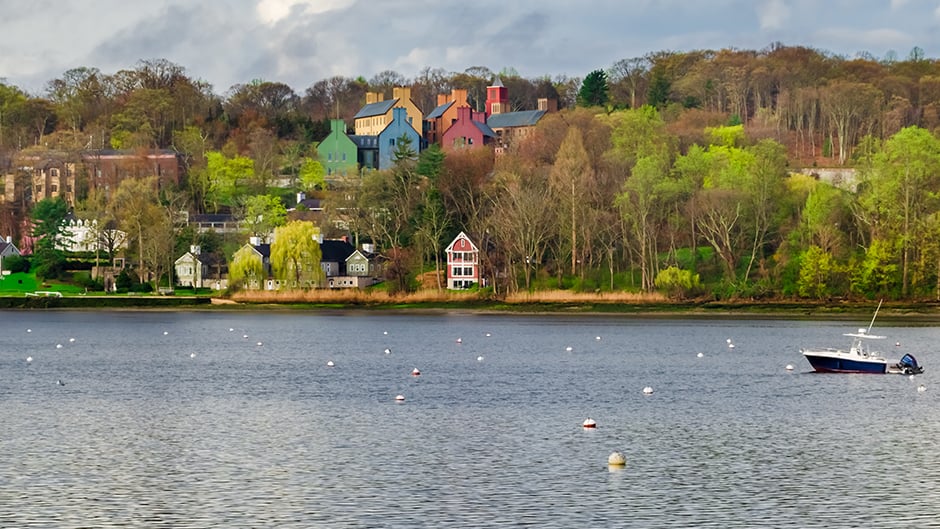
344 157
53 188
329 157
467 271
391 142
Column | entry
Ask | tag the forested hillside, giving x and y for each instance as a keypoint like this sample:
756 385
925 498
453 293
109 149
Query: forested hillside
684 172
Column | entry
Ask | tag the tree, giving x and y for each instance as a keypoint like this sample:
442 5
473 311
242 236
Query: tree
135 203
246 268
816 269
261 215
570 176
48 217
593 91
296 255
225 174
897 194
312 175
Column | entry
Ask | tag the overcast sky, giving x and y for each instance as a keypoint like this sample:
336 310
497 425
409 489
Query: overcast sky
299 42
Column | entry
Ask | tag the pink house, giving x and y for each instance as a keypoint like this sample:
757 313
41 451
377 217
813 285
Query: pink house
470 130
463 263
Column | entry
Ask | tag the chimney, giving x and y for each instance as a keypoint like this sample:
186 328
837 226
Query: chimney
254 240
548 105
459 97
301 196
401 92
372 97
9 239
195 249
441 99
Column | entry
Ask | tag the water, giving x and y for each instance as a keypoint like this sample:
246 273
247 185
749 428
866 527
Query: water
143 434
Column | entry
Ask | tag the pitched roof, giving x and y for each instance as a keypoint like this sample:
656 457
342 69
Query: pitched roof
439 111
263 249
497 82
334 250
485 129
524 118
375 109
4 245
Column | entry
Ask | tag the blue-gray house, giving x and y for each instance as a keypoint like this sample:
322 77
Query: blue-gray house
390 136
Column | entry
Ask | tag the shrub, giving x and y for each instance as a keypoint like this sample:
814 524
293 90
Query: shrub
16 263
677 283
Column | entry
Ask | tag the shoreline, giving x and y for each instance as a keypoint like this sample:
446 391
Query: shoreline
910 312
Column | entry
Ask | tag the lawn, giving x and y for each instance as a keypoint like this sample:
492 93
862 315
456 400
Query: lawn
21 283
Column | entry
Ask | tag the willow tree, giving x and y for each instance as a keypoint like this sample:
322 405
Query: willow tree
296 255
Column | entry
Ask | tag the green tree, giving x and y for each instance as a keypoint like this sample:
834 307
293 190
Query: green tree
296 255
898 194
225 175
816 268
677 282
260 215
312 174
48 217
593 91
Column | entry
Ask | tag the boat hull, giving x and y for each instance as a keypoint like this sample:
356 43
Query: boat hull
836 364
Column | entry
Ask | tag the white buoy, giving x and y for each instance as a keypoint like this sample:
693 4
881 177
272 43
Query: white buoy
459 340
260 344
730 346
921 388
388 351
480 358
399 398
728 340
166 333
589 424
789 367
29 359
58 346
616 459
648 390
330 363
192 355
415 372
598 338
897 344
568 348
488 335
59 382
700 355
245 336
72 340
384 332
231 329
29 330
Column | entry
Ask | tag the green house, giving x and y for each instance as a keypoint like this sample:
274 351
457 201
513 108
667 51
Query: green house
337 153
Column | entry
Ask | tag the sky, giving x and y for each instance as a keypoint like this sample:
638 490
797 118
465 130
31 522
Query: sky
299 42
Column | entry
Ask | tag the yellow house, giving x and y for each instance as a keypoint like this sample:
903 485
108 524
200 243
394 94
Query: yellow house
377 114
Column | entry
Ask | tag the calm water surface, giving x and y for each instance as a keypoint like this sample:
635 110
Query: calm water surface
174 420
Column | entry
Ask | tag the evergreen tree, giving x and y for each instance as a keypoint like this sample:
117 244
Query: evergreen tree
593 90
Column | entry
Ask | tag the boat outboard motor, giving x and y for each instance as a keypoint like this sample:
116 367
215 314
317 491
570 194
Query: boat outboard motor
908 365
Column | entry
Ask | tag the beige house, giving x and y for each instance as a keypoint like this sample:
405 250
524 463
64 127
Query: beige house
377 113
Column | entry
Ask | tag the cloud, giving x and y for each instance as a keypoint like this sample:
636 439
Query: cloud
773 14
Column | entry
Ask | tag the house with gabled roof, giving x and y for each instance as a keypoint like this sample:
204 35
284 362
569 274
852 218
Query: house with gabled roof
511 126
7 249
377 113
463 263
337 152
190 269
469 131
254 250
391 136
444 115
333 255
